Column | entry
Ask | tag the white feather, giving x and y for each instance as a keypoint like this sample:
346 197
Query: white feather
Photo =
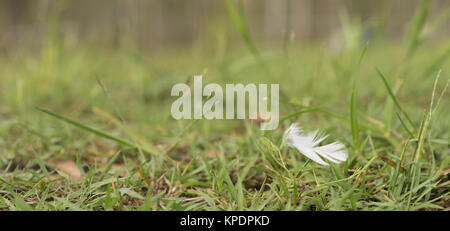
307 144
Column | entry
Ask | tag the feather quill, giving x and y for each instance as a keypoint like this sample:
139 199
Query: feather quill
308 145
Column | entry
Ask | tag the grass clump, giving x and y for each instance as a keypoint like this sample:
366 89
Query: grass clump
92 149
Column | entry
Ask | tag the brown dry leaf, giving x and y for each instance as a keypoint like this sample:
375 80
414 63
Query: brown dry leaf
213 153
446 203
93 150
444 184
69 168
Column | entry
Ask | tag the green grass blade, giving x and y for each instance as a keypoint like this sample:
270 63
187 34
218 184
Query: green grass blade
109 165
417 25
353 111
239 22
21 205
394 98
404 126
353 118
91 130
363 53
238 19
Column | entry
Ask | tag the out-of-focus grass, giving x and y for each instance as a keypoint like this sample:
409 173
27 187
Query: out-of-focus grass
396 162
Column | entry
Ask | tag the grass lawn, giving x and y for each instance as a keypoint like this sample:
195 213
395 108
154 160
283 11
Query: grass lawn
89 128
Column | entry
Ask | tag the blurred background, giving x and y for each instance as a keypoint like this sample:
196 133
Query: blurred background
161 24
53 54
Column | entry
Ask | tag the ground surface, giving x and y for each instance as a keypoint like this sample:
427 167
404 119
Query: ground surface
140 158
